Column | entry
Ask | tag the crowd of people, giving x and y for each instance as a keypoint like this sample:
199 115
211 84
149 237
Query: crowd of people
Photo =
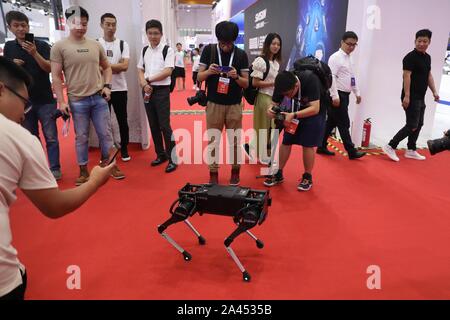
314 110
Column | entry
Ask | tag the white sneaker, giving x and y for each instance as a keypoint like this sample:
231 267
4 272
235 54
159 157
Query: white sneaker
390 152
413 154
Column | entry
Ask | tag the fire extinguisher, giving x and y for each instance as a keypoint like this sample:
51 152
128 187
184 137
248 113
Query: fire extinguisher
367 128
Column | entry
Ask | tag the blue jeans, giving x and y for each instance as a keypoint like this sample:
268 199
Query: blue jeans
43 113
93 108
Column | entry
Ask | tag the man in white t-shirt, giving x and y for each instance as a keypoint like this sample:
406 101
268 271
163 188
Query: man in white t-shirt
23 165
118 54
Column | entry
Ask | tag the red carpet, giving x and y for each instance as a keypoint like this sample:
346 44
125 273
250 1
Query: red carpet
318 244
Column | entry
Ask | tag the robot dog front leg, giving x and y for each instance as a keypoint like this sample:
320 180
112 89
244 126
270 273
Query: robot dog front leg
185 209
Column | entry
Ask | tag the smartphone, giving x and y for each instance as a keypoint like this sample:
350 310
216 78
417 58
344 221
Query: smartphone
225 69
29 37
113 152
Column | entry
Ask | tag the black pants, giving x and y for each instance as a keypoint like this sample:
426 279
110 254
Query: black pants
19 292
119 101
338 117
194 78
158 113
414 122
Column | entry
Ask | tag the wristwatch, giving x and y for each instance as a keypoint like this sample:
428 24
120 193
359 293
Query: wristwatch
108 85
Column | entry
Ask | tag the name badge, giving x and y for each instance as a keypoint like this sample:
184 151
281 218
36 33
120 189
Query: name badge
292 126
109 53
223 86
353 82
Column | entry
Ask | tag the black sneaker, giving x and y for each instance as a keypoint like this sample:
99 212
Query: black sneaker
235 180
125 156
306 183
274 180
356 155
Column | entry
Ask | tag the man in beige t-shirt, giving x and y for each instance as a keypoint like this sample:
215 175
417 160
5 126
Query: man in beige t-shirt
80 59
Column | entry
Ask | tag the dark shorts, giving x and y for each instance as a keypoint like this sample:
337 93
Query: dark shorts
179 72
309 133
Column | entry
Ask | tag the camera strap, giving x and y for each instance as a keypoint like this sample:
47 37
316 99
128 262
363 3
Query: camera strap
299 97
220 56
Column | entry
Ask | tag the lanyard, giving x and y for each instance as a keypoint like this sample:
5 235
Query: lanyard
220 57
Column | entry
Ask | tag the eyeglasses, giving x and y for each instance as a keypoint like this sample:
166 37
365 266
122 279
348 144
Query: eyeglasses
26 103
351 44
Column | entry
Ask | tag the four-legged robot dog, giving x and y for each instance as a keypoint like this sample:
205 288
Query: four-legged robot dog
247 207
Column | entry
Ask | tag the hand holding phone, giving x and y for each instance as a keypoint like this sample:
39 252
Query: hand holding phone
29 45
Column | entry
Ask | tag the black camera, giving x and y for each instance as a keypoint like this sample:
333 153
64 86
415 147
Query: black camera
58 114
439 145
200 98
279 117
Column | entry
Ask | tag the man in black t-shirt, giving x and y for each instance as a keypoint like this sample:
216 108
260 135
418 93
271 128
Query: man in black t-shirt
225 69
417 78
34 58
305 122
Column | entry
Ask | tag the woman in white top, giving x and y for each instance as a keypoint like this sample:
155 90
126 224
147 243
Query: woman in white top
271 52
179 71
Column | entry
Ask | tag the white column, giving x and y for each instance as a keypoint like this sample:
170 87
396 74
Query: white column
129 27
386 32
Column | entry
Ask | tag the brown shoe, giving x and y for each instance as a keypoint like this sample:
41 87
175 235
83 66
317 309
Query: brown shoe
84 176
213 177
117 174
235 181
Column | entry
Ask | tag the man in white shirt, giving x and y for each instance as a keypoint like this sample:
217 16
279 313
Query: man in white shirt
344 82
118 54
155 68
23 165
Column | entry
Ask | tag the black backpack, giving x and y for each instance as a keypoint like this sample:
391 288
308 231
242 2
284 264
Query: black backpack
165 50
251 92
321 69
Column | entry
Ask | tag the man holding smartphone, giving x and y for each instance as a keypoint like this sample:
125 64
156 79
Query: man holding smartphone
81 60
33 56
23 166
225 69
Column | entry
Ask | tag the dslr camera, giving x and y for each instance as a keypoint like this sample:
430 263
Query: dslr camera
200 98
58 114
279 117
439 145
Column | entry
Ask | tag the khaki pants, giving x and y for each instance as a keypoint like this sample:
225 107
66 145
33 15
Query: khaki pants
261 121
218 116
